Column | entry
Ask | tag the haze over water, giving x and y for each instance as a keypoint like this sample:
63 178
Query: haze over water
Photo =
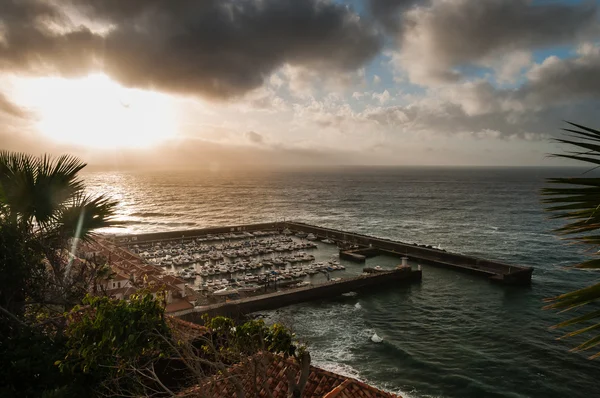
455 335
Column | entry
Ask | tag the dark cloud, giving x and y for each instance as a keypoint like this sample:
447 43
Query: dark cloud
437 38
217 48
389 12
564 80
451 119
30 42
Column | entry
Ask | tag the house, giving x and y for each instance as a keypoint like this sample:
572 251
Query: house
130 273
174 281
118 280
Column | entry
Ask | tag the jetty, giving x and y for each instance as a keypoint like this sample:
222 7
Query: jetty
368 246
237 308
357 247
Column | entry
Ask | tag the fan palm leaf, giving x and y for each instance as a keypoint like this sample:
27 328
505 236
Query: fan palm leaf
48 192
82 215
35 188
577 200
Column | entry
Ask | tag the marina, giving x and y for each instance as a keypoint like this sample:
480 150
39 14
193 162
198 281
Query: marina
252 247
227 264
265 264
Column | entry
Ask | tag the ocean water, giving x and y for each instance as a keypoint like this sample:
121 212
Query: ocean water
454 335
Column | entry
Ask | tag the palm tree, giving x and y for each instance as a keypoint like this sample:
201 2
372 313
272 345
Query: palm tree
44 206
47 194
578 201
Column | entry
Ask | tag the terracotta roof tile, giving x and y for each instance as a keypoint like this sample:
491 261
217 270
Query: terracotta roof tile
271 371
119 276
172 280
178 305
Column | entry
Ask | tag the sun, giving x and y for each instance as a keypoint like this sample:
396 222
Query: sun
96 112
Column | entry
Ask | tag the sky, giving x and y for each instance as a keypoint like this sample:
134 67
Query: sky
274 83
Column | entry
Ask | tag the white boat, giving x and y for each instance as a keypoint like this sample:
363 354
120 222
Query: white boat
328 241
225 291
311 237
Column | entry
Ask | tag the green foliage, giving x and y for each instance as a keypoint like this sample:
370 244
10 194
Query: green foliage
280 339
82 215
21 267
232 341
26 360
35 187
105 335
577 200
42 207
48 191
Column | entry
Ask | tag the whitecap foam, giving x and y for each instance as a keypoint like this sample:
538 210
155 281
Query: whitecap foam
348 371
376 339
338 368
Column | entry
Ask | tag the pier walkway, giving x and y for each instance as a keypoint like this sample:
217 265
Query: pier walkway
235 308
494 270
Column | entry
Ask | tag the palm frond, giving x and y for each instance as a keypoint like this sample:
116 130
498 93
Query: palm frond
17 178
84 214
575 298
577 200
594 132
56 181
35 188
587 317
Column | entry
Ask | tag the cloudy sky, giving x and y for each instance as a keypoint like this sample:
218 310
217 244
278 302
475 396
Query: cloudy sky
190 83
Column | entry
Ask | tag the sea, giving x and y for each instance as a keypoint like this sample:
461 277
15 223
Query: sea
454 335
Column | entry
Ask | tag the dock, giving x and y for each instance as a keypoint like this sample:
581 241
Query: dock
364 247
368 246
236 308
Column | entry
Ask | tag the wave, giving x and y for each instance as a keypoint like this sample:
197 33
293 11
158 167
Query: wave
150 214
348 371
376 339
157 223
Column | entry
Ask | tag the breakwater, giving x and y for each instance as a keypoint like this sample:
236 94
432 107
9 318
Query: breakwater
494 270
237 308
193 233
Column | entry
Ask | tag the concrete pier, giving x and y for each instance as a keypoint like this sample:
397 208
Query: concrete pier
495 271
236 308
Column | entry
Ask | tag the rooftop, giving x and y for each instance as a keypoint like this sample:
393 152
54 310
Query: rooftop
178 305
272 380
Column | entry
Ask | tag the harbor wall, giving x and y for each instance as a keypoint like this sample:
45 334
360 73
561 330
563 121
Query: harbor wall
237 308
436 257
192 233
